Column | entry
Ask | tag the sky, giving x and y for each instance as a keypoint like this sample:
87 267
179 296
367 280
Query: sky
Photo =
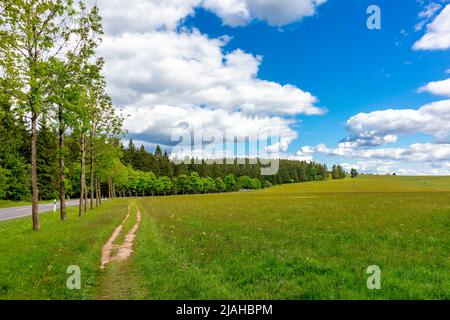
336 91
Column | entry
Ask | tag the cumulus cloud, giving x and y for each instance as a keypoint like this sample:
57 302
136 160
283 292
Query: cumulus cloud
161 122
162 73
437 36
233 12
282 12
417 159
188 68
389 167
419 152
143 15
369 133
382 127
441 88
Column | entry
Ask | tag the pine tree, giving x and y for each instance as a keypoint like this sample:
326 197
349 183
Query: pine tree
47 162
14 153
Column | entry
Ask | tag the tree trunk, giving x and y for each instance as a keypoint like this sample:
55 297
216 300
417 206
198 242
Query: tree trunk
109 188
85 195
34 186
83 175
113 188
92 172
97 193
62 188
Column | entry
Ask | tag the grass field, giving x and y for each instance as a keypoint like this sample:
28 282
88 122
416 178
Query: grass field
302 241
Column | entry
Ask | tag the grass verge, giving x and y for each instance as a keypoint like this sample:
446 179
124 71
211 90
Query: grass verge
33 264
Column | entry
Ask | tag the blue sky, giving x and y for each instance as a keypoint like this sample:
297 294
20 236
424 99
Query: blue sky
350 68
317 47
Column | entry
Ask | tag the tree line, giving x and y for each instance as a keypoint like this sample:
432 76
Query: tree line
53 100
142 172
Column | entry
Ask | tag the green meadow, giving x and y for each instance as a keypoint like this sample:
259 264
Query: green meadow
300 241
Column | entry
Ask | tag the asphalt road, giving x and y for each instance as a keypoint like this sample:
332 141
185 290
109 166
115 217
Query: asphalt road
20 212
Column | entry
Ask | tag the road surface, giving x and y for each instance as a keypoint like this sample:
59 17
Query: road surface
20 212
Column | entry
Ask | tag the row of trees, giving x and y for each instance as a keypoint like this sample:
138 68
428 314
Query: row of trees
52 90
159 163
130 182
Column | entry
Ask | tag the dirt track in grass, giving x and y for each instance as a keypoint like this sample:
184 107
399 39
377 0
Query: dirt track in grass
116 280
120 252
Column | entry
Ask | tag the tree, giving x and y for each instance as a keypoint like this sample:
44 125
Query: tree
32 34
165 185
104 123
230 182
182 184
195 183
150 182
338 172
244 182
220 185
256 184
132 181
65 93
70 83
47 162
354 173
165 166
14 153
3 182
208 185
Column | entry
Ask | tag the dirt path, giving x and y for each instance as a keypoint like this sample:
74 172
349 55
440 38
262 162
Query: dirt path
122 251
116 279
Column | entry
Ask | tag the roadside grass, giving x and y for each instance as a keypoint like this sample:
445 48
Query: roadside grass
303 241
33 264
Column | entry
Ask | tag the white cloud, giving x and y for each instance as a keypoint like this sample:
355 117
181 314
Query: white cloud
370 132
160 72
188 68
437 36
144 15
437 87
282 12
140 16
381 127
232 12
417 153
426 14
274 12
389 167
161 122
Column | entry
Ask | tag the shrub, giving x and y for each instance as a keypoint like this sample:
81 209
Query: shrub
230 183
